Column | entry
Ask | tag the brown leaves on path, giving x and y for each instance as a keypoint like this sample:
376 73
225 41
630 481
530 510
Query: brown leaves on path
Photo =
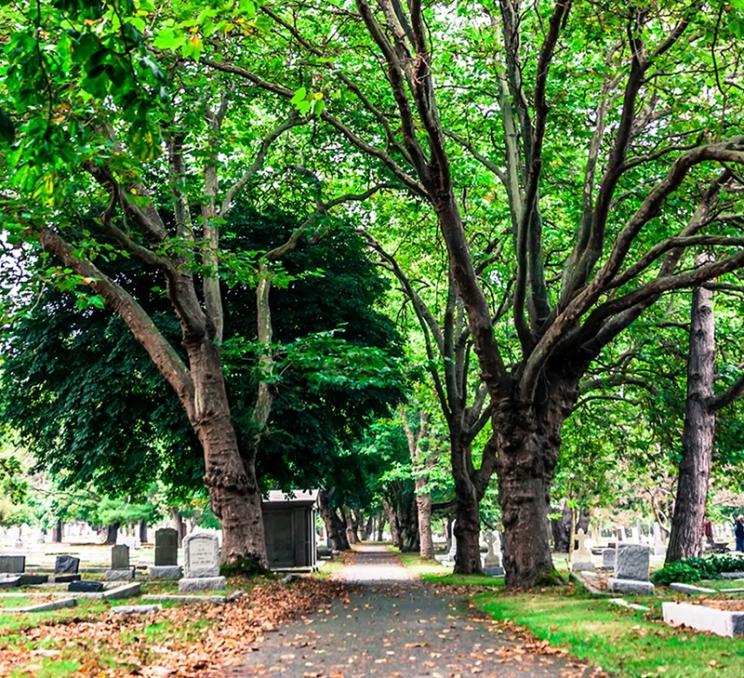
189 640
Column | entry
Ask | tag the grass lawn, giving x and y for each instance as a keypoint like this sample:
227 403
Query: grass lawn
625 642
621 642
721 584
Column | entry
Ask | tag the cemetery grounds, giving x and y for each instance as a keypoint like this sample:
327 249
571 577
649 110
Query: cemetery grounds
567 623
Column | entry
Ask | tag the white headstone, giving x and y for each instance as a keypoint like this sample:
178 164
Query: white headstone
201 555
581 557
659 546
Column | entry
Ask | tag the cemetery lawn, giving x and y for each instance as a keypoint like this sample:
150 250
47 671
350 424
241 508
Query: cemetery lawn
91 640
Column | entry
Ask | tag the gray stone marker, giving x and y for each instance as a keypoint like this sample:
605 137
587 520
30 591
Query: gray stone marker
9 581
492 562
608 559
202 560
581 557
631 570
85 586
166 555
13 564
66 569
66 565
120 568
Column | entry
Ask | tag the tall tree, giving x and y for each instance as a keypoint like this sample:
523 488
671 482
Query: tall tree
702 404
614 212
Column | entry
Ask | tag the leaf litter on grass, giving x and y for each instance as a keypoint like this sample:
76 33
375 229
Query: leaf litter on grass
176 641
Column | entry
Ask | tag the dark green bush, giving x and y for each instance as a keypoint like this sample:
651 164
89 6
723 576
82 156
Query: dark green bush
695 569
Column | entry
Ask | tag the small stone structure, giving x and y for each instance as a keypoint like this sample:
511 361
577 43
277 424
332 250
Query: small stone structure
289 526
581 557
120 570
166 555
12 564
631 570
202 563
721 622
492 561
66 569
608 559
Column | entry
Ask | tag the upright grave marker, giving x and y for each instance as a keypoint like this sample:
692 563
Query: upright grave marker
202 563
166 555
581 557
120 567
66 569
631 570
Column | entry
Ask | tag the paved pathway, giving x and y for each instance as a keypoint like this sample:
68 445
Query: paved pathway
392 625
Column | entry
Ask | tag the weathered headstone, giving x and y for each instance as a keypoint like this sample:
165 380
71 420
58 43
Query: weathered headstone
120 568
581 557
66 569
631 570
66 565
659 546
85 586
166 555
202 563
13 564
608 559
492 563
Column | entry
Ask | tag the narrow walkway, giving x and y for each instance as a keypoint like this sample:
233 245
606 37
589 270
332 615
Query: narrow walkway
393 625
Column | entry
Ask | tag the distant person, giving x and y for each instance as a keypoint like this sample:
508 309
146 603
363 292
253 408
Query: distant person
739 533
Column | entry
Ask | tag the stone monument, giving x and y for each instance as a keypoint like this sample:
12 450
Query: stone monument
166 555
659 546
631 570
492 562
608 559
581 557
201 552
120 567
66 569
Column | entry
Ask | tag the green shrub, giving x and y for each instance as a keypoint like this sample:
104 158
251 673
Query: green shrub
695 569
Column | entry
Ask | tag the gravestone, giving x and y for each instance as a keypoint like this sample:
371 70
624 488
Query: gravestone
66 569
85 586
201 552
608 559
166 555
659 546
492 563
631 570
581 556
12 564
120 568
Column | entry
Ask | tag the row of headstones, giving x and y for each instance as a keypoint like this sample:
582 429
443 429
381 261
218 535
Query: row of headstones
630 564
201 552
491 560
66 570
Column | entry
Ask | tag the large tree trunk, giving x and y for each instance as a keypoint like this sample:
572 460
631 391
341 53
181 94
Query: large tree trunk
423 505
528 440
143 531
467 511
335 527
59 528
408 523
561 528
112 532
180 525
686 538
230 479
393 521
380 525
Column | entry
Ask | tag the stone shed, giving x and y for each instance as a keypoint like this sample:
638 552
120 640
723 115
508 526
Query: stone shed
289 524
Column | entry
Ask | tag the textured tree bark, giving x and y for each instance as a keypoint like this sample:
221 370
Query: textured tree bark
351 534
229 477
334 525
393 520
58 531
686 538
408 524
112 532
143 531
423 505
467 509
561 528
380 525
180 525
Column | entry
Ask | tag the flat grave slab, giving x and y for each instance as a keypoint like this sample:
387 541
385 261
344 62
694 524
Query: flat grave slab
185 598
690 589
136 609
729 623
44 607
